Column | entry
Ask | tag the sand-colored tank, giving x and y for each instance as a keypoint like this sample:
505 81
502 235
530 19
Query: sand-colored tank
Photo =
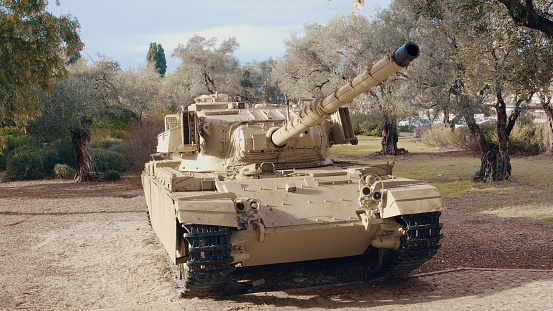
234 185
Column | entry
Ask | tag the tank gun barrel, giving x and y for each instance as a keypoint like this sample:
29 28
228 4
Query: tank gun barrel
319 110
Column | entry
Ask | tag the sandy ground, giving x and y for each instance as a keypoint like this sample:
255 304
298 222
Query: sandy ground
67 246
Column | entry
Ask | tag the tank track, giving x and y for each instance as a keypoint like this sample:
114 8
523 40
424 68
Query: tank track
209 269
420 244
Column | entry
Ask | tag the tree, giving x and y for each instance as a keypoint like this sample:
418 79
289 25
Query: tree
86 96
138 90
35 46
325 58
532 14
156 56
257 84
205 69
491 55
538 15
393 99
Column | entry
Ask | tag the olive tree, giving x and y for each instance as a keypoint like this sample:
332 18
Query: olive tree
538 15
492 58
138 90
88 94
205 69
34 47
257 85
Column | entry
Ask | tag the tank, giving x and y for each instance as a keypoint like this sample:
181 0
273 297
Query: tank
235 185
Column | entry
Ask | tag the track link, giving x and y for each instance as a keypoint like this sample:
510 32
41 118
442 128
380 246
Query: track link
209 269
419 245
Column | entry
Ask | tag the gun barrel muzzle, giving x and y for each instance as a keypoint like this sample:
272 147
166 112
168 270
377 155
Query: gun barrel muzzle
405 54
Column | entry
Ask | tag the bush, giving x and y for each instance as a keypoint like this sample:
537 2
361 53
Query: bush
528 137
58 151
439 136
110 145
366 124
64 171
141 142
106 160
111 175
24 163
10 139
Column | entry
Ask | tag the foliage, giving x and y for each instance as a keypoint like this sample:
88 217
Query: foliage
106 160
459 138
138 92
532 14
24 163
258 85
205 69
64 171
114 122
76 97
10 139
35 46
33 160
325 58
156 57
528 137
139 143
366 124
111 175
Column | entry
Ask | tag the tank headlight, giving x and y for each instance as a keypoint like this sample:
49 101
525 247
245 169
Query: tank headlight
366 190
254 205
240 206
377 195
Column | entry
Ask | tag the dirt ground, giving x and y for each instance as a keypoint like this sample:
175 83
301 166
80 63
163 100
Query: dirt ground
67 246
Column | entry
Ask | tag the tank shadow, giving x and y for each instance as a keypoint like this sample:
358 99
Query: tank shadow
456 285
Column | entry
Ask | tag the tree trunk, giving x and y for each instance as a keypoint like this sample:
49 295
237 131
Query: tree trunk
495 160
447 122
81 143
548 108
389 140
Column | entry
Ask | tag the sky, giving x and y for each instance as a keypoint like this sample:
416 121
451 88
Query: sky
123 29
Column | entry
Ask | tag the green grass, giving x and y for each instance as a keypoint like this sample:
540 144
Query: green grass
526 194
370 144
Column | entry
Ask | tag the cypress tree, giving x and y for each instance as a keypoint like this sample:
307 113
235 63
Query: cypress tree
161 61
156 55
152 54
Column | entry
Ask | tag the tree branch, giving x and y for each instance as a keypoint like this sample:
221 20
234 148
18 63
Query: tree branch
525 14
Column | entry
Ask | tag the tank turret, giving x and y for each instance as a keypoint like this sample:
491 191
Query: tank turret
319 110
235 184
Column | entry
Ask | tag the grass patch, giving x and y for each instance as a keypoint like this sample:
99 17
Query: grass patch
368 145
526 194
541 212
437 169
454 189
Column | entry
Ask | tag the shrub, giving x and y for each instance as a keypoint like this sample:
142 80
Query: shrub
141 142
439 136
527 137
64 171
24 163
106 160
110 145
111 175
10 139
58 151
